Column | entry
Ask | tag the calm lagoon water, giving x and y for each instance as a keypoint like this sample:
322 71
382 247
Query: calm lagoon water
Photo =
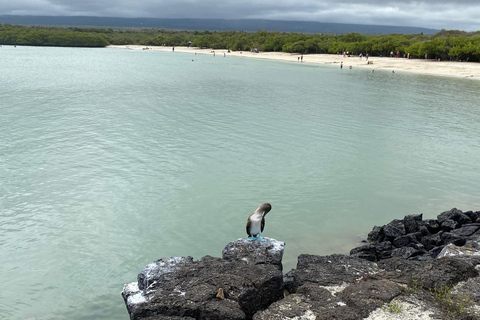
110 159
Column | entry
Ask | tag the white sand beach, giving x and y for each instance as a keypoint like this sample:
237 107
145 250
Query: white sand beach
468 70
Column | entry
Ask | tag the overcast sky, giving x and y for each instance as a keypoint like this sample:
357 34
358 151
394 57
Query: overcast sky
438 14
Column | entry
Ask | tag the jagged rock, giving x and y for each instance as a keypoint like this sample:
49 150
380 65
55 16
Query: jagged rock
451 250
467 230
269 251
429 274
167 318
367 252
369 294
189 289
404 241
412 222
456 215
405 252
384 250
443 272
448 225
419 239
373 251
313 304
432 225
423 230
330 270
431 241
320 282
448 237
474 216
420 248
294 306
394 230
289 281
247 282
376 235
436 251
160 270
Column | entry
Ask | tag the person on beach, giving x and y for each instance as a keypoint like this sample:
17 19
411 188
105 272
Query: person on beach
173 49
301 58
341 65
298 59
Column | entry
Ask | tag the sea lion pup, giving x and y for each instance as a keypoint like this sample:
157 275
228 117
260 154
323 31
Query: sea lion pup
256 222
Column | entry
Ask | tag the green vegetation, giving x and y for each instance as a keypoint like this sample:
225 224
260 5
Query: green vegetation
49 37
445 45
453 305
416 285
393 307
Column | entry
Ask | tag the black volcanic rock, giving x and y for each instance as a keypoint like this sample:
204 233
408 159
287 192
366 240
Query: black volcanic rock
432 225
367 252
247 283
448 225
210 288
330 270
404 241
393 230
255 252
431 241
376 235
456 215
161 270
370 294
414 238
412 222
467 230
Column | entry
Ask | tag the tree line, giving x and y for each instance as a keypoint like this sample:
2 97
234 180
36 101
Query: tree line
55 37
444 45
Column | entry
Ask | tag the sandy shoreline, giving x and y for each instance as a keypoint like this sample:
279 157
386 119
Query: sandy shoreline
466 70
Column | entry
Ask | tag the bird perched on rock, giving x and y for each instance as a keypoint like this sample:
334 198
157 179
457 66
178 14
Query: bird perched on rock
256 222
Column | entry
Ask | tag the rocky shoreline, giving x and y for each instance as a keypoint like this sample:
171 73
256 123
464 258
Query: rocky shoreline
410 269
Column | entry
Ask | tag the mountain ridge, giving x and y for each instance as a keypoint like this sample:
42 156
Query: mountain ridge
193 24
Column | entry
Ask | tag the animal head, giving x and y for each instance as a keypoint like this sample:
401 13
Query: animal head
264 208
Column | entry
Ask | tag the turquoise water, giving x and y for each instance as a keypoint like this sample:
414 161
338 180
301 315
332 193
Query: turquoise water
110 159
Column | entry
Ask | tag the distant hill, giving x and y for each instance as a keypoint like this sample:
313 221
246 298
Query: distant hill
212 24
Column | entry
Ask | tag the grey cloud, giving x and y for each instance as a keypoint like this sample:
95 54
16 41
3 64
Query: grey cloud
431 14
